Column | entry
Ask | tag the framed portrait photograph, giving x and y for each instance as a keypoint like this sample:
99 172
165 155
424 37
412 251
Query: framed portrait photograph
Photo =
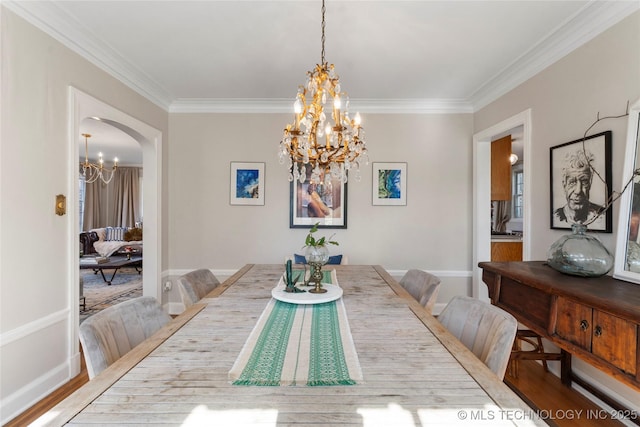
323 202
389 184
247 183
578 195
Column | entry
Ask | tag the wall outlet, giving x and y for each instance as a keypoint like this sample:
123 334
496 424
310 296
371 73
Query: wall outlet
167 286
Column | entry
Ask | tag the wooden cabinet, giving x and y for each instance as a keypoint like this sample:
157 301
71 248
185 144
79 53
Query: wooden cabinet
501 169
597 319
606 336
574 323
615 340
506 251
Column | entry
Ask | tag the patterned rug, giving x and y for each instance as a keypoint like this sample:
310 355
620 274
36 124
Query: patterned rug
126 284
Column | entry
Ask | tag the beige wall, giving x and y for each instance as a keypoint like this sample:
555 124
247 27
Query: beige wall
432 232
36 245
600 76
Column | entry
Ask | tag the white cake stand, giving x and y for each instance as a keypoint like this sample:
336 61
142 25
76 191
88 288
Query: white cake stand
333 293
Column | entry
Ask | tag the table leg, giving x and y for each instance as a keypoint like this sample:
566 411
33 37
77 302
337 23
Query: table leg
115 270
565 368
113 275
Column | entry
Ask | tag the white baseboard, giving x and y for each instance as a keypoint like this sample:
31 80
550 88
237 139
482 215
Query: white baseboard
14 404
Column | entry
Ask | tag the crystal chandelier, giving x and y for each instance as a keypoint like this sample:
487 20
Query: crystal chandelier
330 143
94 171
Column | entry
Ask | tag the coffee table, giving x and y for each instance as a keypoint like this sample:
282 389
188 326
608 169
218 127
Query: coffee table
115 263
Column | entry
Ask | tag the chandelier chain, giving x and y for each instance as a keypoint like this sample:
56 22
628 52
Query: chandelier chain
323 10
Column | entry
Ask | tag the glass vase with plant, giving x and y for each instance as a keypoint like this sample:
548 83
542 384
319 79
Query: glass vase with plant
317 255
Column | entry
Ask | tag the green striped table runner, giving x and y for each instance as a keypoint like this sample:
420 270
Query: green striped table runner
299 344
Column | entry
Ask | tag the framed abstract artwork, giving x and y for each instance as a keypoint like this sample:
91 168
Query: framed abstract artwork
579 192
324 203
247 183
389 184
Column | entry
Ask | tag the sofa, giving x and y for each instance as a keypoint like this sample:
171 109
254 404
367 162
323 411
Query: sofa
108 240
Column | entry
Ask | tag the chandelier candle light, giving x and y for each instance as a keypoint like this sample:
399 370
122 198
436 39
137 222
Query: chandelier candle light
94 171
329 143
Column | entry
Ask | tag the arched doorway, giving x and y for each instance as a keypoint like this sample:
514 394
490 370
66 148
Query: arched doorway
83 106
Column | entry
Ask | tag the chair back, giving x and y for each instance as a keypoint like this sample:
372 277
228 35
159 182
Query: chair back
333 259
111 333
422 286
486 330
195 285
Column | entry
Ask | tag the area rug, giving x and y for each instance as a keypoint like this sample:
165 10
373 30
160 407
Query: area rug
126 284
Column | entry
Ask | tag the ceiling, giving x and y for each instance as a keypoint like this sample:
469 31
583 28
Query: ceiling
391 56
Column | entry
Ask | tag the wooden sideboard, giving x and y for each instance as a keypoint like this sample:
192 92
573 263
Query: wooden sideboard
595 319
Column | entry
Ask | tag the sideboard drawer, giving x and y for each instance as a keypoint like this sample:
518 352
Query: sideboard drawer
615 340
575 323
606 336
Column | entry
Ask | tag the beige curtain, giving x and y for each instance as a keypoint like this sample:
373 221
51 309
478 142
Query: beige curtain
92 209
126 197
502 214
115 204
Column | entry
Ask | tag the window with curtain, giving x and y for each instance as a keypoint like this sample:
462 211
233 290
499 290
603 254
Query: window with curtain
116 204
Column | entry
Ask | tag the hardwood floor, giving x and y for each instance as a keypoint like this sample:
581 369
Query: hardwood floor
558 404
543 391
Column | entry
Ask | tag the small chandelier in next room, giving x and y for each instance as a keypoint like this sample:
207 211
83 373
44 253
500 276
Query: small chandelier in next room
323 140
94 171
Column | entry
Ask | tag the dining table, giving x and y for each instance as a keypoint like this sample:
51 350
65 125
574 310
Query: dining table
406 369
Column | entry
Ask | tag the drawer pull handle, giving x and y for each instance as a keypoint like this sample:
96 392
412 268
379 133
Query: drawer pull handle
584 325
597 331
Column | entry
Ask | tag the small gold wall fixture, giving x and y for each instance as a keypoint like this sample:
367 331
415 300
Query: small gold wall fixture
61 204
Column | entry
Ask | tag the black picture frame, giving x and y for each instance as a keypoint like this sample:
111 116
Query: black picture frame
331 202
562 157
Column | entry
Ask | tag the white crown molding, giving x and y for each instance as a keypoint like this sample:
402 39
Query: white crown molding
371 106
591 20
48 17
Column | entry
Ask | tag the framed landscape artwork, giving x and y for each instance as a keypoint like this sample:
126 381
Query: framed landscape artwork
578 194
389 184
323 203
247 183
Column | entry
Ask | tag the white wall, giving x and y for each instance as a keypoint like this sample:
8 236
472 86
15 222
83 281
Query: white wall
600 76
37 246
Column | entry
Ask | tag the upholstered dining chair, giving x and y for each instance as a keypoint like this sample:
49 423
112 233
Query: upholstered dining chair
422 286
195 285
486 330
111 333
333 259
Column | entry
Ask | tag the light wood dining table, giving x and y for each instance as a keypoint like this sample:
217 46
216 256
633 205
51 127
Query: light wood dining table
414 372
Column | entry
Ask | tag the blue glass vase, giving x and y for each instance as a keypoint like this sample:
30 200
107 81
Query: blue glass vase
580 254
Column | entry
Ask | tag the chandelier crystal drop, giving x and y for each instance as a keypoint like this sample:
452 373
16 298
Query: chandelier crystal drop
323 138
94 171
